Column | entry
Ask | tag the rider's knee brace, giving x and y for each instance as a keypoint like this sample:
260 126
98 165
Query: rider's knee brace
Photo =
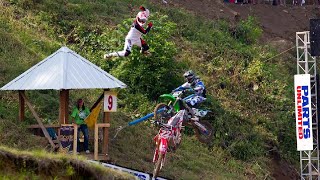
145 47
127 53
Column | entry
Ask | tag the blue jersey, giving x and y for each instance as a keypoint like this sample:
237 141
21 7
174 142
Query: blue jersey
198 87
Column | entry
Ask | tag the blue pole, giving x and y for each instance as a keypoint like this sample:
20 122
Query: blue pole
141 119
144 118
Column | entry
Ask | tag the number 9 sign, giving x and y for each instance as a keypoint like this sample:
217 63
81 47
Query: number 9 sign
110 101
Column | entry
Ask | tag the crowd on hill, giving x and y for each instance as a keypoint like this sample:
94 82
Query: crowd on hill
276 2
271 2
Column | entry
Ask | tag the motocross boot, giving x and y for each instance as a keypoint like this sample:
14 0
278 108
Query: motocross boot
195 118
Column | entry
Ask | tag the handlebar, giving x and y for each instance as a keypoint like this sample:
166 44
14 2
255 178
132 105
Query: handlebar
160 124
179 93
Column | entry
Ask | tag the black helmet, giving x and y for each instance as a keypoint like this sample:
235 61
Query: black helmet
190 76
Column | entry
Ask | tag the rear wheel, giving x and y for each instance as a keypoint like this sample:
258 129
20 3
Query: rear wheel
158 165
204 133
163 113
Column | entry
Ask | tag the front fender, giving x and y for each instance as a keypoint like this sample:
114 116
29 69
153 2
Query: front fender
168 97
163 147
171 98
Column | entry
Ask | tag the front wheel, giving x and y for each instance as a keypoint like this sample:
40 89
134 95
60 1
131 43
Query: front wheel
158 165
203 131
162 113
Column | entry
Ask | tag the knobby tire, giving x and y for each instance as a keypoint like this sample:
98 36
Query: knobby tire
159 116
200 136
158 165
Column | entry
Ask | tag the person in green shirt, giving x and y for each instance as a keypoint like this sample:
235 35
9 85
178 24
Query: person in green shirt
79 114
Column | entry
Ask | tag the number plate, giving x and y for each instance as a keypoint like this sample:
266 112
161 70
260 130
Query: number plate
110 101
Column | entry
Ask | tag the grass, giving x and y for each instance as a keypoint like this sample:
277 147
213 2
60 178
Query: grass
191 159
41 164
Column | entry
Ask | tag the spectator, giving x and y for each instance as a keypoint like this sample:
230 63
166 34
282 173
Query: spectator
79 114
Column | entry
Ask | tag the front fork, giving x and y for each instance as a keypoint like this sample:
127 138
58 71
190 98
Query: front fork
161 147
189 109
197 123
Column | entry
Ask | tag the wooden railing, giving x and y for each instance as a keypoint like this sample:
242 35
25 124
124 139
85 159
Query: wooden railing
75 134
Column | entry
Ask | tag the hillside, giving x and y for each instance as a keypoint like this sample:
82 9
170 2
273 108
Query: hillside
39 165
279 25
249 90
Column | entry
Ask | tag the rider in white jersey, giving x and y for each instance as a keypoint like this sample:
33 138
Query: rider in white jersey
134 35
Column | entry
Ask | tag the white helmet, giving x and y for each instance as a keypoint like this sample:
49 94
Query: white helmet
190 76
142 17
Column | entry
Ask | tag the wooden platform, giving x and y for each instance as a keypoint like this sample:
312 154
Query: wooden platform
101 157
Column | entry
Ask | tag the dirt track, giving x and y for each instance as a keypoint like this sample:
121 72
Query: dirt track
277 21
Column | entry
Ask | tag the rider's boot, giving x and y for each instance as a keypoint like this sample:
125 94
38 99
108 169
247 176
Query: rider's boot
195 121
190 111
195 118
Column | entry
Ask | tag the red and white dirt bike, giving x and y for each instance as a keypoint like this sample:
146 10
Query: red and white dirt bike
171 117
202 128
168 138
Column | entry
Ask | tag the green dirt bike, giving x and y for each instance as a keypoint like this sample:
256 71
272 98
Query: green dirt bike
164 111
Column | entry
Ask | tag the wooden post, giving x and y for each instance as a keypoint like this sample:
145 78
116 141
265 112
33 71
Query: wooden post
44 130
96 141
63 111
105 142
75 139
67 106
21 105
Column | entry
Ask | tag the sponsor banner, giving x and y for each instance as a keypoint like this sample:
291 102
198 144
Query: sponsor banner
302 92
66 139
139 175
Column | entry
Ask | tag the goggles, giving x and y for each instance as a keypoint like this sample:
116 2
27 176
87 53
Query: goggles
142 20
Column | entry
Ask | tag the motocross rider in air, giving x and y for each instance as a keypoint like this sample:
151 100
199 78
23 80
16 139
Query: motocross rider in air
134 35
195 85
